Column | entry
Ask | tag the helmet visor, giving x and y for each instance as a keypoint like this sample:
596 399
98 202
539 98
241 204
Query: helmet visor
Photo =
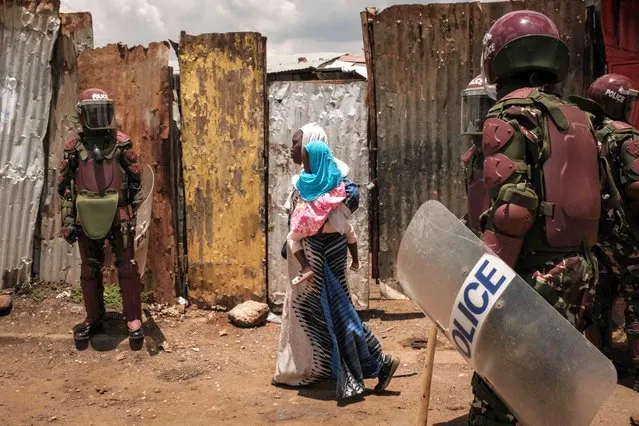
632 107
491 89
97 115
474 108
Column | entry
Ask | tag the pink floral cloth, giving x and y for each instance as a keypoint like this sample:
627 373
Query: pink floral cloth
307 218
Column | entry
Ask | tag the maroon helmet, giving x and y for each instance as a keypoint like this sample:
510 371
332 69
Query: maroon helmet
614 94
95 109
524 41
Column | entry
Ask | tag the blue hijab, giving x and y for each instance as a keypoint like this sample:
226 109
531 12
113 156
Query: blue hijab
324 176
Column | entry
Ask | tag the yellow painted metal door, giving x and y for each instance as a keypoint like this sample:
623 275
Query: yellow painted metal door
222 80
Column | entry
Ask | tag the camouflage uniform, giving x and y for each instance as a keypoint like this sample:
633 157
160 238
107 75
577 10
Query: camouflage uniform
565 277
541 171
618 249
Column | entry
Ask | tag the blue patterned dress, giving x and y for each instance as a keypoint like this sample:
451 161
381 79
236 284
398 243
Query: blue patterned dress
322 336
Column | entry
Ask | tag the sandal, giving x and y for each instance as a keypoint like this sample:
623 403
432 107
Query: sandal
302 277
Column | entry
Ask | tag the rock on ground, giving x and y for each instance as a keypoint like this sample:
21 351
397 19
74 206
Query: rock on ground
249 314
5 302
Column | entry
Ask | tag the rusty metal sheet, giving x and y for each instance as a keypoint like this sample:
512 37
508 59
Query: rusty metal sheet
222 83
423 56
60 262
137 79
340 108
28 32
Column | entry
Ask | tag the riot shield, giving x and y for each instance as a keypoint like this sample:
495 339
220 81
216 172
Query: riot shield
544 370
143 219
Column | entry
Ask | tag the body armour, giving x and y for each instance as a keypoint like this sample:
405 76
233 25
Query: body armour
541 170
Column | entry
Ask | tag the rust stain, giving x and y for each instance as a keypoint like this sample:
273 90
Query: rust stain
79 27
222 80
138 80
413 49
58 260
35 6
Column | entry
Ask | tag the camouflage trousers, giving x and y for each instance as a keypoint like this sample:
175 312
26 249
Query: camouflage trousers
618 256
566 284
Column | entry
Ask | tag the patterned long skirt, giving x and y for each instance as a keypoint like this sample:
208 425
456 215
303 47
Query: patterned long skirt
322 337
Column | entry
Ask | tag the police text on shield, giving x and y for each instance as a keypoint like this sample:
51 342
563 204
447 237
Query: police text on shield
477 296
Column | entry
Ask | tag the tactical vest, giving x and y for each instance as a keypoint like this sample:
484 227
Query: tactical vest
619 151
100 187
560 159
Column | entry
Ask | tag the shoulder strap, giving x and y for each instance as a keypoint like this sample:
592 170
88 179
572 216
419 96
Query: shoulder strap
551 105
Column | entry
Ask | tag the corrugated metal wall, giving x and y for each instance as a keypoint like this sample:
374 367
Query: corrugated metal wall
222 83
60 262
28 35
138 80
422 57
340 108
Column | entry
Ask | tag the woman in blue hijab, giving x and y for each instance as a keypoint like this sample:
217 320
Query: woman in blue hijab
322 337
321 191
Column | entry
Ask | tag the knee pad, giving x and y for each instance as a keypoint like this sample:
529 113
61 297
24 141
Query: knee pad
90 269
127 269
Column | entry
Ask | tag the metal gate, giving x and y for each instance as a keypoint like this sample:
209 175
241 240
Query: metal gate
340 108
222 84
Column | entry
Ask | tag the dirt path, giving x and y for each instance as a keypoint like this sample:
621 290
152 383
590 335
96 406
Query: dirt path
213 373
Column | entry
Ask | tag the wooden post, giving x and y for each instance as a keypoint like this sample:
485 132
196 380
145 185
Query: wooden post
428 376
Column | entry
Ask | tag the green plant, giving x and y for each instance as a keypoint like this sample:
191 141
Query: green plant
37 295
76 294
112 298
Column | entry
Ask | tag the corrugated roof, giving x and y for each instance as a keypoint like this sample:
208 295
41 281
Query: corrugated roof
346 66
299 61
358 59
305 61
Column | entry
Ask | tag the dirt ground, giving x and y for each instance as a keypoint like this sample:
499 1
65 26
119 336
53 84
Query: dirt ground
198 369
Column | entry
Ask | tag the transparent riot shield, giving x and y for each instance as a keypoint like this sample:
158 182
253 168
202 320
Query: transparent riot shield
544 370
143 220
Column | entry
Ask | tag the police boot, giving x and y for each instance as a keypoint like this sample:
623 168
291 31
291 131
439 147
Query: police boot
136 335
84 330
93 297
131 288
487 409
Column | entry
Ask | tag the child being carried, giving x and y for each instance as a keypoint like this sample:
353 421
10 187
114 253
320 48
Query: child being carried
320 207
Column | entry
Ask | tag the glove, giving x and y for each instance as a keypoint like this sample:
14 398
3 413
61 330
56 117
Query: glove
70 233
